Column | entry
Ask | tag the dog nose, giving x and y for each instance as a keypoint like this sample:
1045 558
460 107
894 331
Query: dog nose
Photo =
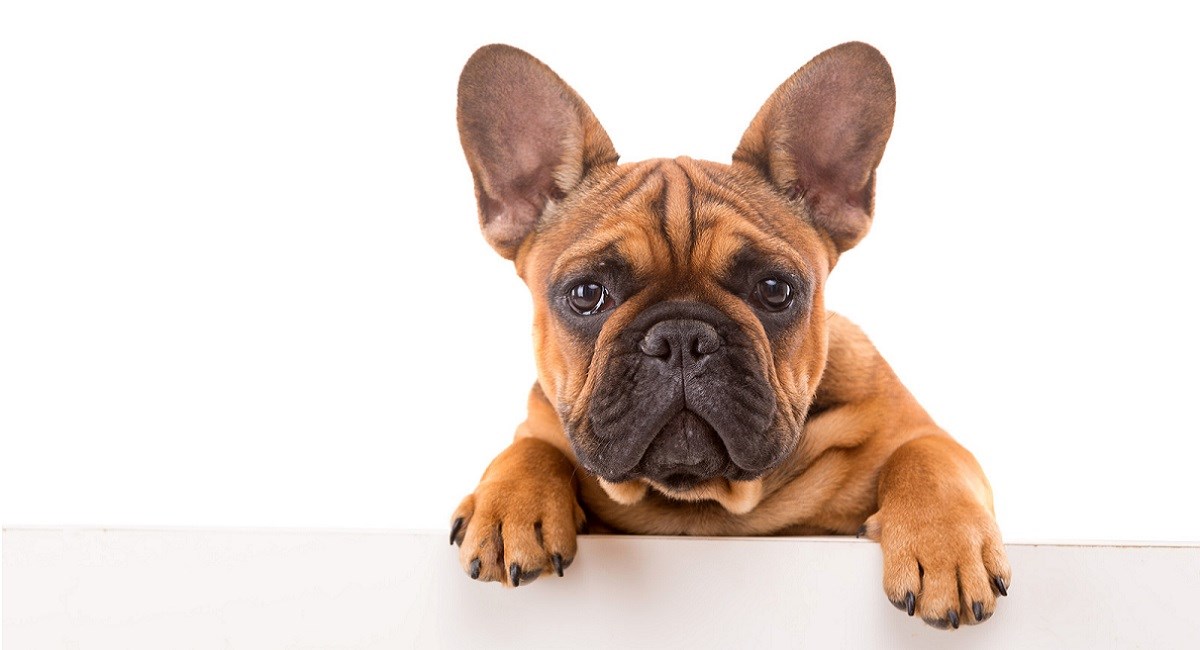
677 340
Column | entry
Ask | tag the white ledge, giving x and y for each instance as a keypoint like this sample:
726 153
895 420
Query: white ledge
132 588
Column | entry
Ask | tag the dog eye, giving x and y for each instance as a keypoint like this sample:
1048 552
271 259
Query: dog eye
773 294
589 298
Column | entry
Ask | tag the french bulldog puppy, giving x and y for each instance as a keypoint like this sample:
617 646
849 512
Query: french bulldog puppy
690 380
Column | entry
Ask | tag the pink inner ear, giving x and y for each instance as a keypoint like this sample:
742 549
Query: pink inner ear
823 133
504 223
507 220
517 142
525 133
846 220
835 127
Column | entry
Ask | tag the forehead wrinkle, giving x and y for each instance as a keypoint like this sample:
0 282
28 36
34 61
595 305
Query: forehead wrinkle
782 223
722 188
677 213
782 233
626 183
720 251
659 195
638 220
625 228
584 252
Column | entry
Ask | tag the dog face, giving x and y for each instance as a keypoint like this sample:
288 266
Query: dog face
679 323
679 326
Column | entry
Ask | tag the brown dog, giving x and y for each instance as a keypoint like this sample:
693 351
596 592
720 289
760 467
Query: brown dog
690 380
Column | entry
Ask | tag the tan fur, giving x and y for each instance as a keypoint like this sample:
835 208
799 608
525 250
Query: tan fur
867 457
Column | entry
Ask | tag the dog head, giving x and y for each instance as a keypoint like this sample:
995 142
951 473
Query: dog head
679 322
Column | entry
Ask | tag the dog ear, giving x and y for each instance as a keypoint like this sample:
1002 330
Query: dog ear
529 140
821 135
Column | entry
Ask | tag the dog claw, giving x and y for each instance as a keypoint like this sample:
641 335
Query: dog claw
977 610
1000 587
953 616
476 566
862 530
454 530
556 560
517 576
910 603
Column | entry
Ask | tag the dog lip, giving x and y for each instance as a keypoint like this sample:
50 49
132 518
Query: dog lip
678 479
681 481
674 462
685 453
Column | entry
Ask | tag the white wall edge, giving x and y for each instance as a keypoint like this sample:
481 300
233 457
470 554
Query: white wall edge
246 588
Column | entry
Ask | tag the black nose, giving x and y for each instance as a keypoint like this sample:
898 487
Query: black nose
681 340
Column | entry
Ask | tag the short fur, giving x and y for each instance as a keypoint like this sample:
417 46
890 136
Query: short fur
786 424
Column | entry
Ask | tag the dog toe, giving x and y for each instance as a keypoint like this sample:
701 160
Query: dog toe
901 580
939 602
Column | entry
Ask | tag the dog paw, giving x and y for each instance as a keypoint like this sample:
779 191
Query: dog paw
512 531
944 563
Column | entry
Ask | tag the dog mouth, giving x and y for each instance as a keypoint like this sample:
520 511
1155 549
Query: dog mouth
686 452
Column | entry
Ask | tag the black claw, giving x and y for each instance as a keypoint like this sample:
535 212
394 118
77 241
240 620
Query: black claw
910 603
977 610
999 582
953 616
476 565
514 574
862 530
556 560
454 530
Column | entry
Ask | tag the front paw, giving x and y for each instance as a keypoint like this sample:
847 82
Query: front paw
512 531
943 562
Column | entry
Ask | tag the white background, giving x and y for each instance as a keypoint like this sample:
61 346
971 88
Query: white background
241 281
